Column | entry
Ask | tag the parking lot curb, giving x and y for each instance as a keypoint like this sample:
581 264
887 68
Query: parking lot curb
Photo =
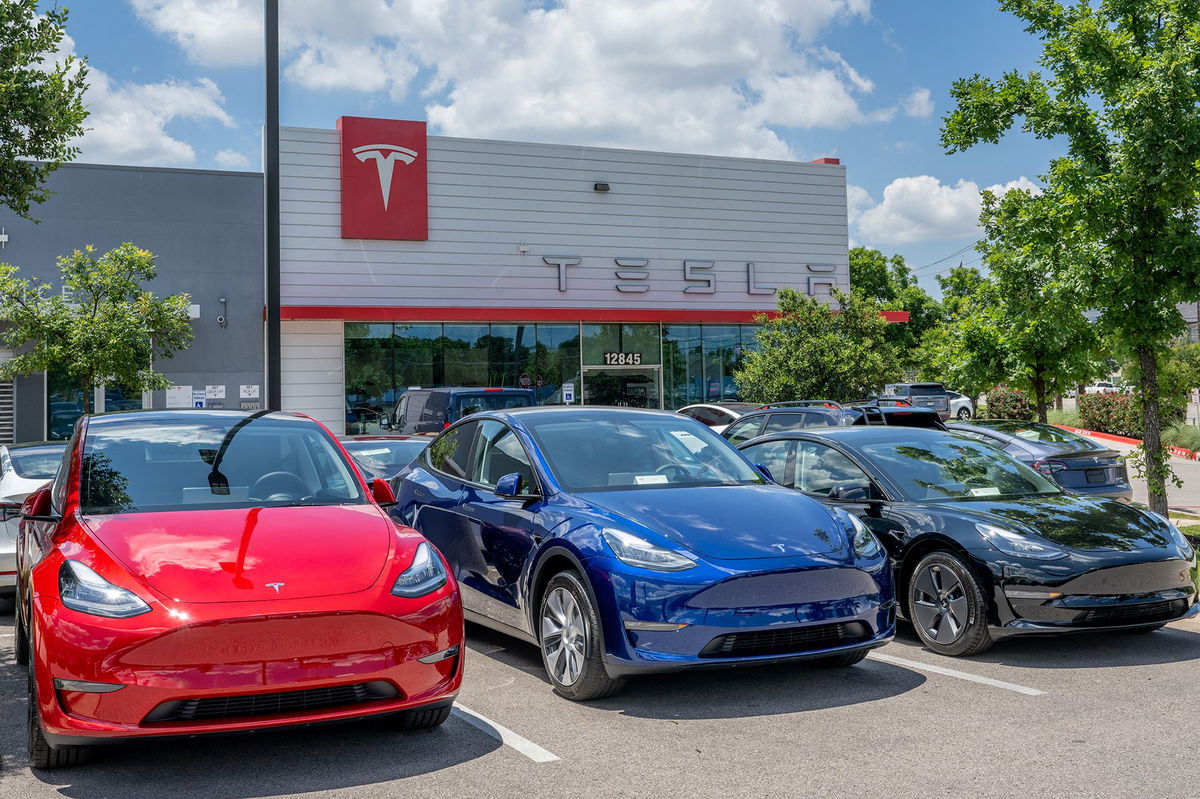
1178 452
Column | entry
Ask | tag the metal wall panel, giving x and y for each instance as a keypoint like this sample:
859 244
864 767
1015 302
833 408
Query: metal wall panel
489 198
312 355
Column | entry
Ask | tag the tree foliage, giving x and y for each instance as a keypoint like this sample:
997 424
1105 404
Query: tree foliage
888 280
806 351
41 104
1119 86
965 352
101 328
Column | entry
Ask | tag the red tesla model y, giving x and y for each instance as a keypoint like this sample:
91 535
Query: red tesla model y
204 571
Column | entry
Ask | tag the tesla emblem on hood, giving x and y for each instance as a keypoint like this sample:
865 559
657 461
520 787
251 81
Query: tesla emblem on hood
276 586
782 548
385 157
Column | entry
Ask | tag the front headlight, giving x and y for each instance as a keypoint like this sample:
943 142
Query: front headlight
1179 538
866 545
425 575
1017 544
83 590
634 551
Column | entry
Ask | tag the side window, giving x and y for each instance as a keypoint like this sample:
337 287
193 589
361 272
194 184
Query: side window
450 453
743 430
499 453
705 416
433 409
820 468
979 437
785 422
58 489
401 410
778 456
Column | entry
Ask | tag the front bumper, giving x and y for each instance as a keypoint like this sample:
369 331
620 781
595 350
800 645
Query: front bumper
761 612
247 666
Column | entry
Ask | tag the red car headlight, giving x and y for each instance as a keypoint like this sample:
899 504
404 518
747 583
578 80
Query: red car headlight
424 576
83 590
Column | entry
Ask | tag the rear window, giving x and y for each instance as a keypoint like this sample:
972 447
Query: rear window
200 463
1044 434
36 463
926 391
466 404
910 419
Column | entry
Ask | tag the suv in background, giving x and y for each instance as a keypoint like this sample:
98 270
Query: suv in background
920 395
783 417
432 410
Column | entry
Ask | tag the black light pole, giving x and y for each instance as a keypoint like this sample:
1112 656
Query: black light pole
271 169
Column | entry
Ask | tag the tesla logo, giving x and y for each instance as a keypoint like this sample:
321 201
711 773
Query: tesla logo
385 157
781 547
384 202
276 586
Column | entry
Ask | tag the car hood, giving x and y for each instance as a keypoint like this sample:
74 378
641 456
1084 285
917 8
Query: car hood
1081 523
729 522
234 555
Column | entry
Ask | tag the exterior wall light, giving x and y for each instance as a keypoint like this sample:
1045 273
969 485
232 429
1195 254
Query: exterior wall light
600 187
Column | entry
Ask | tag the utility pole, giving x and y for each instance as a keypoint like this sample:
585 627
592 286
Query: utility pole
274 395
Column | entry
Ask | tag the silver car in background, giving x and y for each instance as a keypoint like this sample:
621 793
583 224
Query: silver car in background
24 468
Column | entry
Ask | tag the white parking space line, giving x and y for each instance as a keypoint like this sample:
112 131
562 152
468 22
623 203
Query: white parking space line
961 675
509 738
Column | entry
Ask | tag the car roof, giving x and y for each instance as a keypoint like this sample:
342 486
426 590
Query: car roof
534 412
117 418
859 435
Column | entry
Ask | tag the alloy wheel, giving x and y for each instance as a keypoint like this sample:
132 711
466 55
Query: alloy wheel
964 413
940 604
564 636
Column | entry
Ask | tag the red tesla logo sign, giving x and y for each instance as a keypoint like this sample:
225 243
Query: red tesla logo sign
384 191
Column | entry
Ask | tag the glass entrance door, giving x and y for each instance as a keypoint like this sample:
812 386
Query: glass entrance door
638 387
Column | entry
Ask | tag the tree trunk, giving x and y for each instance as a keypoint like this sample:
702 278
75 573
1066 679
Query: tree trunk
1058 403
1039 394
87 397
1156 462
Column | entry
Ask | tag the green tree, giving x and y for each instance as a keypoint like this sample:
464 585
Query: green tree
1048 345
41 104
1119 87
888 280
808 351
102 327
966 352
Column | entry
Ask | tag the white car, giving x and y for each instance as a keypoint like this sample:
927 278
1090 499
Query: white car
24 468
1102 387
961 406
718 415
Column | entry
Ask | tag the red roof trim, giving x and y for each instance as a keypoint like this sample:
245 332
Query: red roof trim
387 313
826 161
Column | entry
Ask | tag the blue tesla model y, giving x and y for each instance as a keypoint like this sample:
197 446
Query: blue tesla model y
626 542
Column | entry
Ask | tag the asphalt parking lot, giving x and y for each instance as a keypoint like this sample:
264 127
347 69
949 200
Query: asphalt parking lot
1087 715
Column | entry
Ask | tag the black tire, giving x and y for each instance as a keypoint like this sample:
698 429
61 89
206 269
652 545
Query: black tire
421 718
964 413
841 660
41 753
581 676
20 640
947 607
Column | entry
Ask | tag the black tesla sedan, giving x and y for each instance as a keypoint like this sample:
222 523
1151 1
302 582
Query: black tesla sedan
1079 464
985 547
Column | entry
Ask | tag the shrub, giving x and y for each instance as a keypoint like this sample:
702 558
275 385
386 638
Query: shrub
1009 403
1110 413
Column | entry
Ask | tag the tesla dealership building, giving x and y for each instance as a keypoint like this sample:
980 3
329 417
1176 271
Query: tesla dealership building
589 275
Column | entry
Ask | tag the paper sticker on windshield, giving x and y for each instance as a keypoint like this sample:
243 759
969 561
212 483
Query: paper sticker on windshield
383 451
649 479
990 491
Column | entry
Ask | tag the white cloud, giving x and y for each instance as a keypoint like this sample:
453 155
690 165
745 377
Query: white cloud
231 159
922 209
858 200
918 104
683 75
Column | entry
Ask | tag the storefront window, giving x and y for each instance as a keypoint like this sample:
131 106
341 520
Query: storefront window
554 360
615 345
415 352
465 350
683 365
370 382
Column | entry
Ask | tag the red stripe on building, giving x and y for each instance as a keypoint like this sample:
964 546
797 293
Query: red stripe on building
387 313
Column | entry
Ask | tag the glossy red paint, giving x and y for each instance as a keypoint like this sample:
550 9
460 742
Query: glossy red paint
215 628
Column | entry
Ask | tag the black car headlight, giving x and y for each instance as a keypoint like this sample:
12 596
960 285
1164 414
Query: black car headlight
634 551
83 590
425 575
1025 546
866 545
1180 540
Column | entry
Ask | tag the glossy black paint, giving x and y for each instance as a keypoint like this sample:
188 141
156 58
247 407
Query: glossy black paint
1122 562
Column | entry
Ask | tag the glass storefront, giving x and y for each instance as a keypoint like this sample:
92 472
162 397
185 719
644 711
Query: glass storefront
635 365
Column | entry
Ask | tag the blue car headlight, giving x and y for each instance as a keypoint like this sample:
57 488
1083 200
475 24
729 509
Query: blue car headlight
866 545
426 574
634 551
1024 546
1180 540
83 590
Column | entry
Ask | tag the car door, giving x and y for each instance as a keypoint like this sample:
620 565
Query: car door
778 456
832 477
508 529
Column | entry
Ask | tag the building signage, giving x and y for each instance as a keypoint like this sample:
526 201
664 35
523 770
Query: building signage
385 193
622 359
699 277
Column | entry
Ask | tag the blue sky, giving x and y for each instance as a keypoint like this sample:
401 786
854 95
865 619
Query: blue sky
179 83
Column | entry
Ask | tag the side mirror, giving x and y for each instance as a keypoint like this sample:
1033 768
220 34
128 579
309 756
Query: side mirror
37 507
512 486
382 492
764 471
850 493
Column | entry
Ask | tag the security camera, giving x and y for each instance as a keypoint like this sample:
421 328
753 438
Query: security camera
221 321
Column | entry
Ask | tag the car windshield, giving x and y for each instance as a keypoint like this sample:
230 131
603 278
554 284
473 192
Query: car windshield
36 463
198 462
925 391
385 457
465 404
955 468
1042 434
605 452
